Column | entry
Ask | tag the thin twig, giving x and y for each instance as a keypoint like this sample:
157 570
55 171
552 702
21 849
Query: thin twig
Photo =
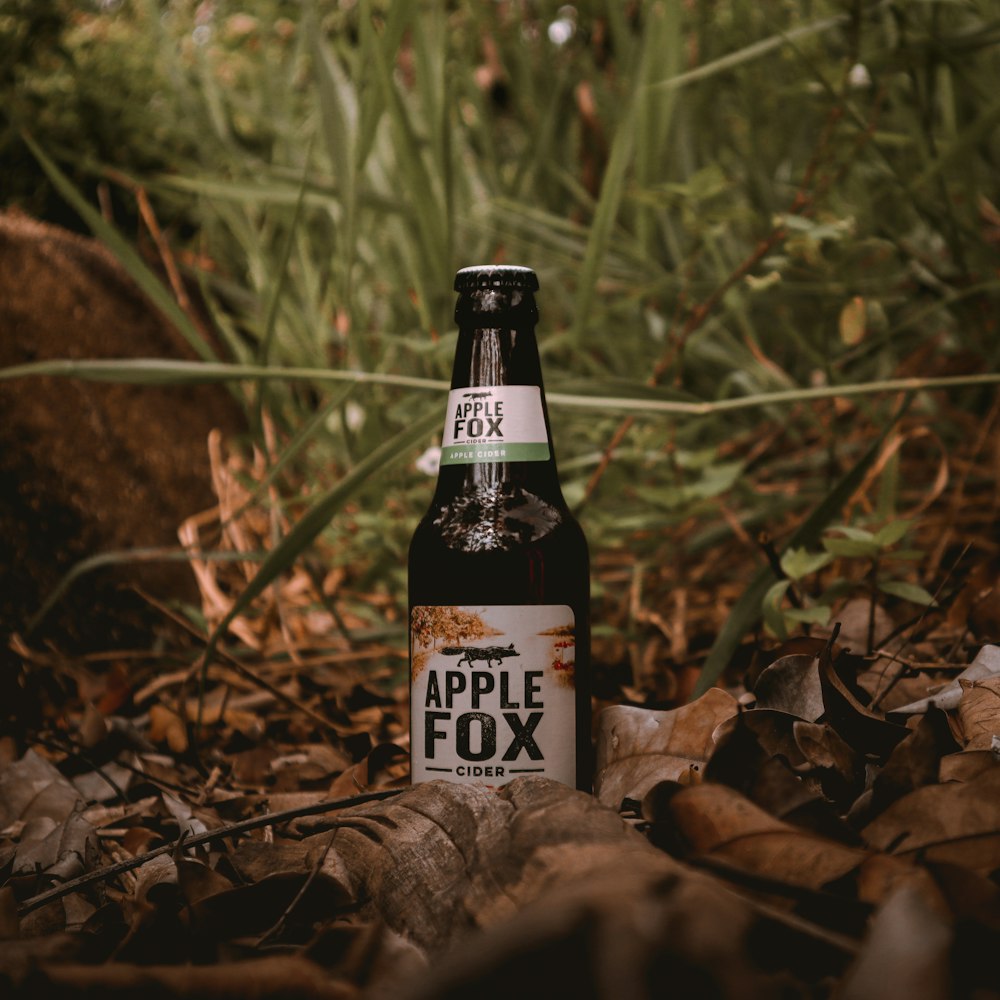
908 638
210 836
241 669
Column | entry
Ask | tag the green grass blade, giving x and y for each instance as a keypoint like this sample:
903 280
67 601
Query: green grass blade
126 557
133 264
156 371
749 53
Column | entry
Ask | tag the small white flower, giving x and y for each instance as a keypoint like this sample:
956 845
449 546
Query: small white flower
355 416
430 461
859 77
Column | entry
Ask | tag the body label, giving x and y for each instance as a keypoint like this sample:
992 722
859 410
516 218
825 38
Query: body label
492 692
495 423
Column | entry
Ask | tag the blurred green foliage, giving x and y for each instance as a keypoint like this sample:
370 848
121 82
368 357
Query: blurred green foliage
721 198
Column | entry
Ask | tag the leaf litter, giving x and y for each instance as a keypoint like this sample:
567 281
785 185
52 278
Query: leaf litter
824 823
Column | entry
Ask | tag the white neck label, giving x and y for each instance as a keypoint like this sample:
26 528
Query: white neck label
495 423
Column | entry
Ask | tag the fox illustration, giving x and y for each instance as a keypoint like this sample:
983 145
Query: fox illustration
470 654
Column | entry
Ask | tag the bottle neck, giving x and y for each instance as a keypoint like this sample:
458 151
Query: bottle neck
494 352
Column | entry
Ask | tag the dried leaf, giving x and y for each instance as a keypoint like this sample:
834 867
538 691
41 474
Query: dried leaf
865 730
979 713
908 947
957 823
32 788
913 764
167 727
717 822
968 765
852 321
387 764
741 762
60 851
636 748
197 881
791 684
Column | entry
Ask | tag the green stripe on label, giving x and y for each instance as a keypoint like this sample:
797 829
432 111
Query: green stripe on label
466 454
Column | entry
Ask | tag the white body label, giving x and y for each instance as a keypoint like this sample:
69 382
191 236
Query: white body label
492 693
495 423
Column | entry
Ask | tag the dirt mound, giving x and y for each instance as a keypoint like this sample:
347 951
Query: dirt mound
84 467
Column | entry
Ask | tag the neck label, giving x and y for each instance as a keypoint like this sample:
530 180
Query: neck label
494 423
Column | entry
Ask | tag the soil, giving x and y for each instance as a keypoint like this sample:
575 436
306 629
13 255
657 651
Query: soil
87 467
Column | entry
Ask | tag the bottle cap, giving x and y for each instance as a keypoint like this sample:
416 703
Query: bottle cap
496 276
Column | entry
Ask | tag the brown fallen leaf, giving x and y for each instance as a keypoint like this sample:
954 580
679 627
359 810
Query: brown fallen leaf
741 762
166 726
712 820
967 765
979 713
914 763
637 748
717 824
44 812
813 750
386 766
32 788
907 951
958 822
839 769
791 684
866 730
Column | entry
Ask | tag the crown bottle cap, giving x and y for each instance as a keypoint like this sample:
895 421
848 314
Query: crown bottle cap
507 276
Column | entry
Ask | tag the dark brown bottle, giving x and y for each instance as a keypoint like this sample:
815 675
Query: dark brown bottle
499 579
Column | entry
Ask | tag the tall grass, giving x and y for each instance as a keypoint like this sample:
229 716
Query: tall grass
722 200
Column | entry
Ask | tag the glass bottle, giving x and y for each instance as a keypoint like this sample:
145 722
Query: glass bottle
499 580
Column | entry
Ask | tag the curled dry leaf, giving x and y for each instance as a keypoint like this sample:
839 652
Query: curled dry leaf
791 684
979 713
811 749
866 730
637 748
823 748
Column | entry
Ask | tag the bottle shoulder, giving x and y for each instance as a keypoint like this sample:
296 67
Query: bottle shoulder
495 517
553 568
